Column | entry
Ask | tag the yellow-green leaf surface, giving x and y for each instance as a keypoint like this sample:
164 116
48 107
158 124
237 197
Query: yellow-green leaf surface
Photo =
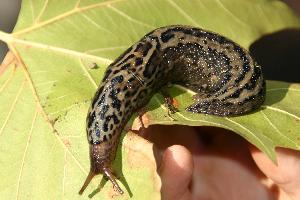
45 92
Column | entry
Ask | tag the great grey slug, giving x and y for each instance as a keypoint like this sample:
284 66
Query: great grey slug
225 77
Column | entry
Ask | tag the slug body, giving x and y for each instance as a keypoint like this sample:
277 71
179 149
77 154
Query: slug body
225 77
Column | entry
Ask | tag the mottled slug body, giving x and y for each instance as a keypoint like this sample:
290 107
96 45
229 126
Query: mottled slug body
225 77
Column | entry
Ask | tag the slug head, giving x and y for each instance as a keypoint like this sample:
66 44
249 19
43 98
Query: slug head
100 164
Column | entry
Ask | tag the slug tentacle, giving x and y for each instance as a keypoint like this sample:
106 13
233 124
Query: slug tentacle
87 181
225 77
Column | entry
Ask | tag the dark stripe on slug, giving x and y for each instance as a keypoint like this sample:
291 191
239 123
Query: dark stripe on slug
225 79
149 34
131 79
107 73
202 34
127 95
253 80
126 66
126 59
120 113
96 98
157 42
147 48
143 48
104 138
166 36
127 103
246 68
91 118
139 47
234 95
246 64
116 71
211 36
149 83
194 32
101 100
114 91
151 66
125 88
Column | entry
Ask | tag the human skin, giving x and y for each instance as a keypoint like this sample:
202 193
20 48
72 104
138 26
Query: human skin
212 163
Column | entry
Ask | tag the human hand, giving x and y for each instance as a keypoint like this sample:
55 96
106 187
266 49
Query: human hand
211 163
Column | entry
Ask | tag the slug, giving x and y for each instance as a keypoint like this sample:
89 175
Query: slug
226 79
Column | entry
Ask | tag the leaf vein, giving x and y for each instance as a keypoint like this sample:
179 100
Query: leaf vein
85 70
189 18
8 80
77 4
32 10
61 50
90 20
106 49
40 108
41 12
253 135
13 106
289 89
277 130
66 14
65 172
231 13
25 153
129 18
282 111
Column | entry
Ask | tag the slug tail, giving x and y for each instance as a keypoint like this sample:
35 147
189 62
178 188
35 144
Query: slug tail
86 182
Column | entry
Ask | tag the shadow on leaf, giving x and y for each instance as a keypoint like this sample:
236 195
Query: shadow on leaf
279 54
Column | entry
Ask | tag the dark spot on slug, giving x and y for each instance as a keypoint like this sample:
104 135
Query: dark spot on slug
166 36
138 61
115 118
116 71
103 111
117 79
126 66
116 103
104 138
126 59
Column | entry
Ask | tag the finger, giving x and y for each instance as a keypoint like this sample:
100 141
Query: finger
286 173
176 173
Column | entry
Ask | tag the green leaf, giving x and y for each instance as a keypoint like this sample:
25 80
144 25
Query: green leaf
47 89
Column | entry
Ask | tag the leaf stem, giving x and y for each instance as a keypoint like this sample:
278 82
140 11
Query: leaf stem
10 39
5 37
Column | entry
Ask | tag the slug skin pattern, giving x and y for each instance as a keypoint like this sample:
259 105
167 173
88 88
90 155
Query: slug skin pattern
225 77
